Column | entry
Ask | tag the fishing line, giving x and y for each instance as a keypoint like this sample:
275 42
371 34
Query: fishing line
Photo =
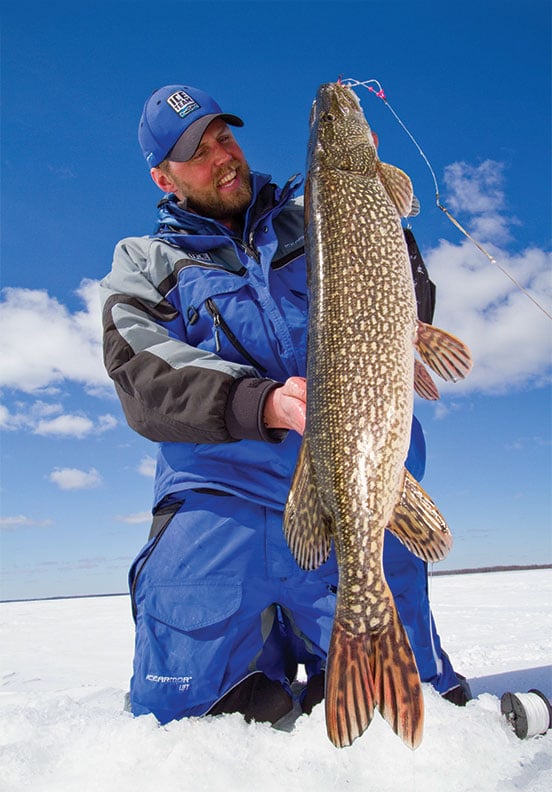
380 93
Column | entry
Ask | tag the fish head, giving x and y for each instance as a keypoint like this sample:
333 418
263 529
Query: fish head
340 136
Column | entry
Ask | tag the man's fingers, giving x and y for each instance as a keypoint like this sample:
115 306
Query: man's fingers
285 406
296 387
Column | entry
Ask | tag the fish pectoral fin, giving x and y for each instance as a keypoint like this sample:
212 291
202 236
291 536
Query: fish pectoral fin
444 353
307 527
423 382
368 670
418 523
397 186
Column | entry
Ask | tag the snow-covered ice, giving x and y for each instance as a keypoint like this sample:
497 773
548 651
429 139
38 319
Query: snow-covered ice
65 666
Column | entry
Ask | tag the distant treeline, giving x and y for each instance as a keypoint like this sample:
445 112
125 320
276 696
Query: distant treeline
511 568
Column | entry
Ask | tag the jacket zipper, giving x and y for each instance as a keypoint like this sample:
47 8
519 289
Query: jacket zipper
220 325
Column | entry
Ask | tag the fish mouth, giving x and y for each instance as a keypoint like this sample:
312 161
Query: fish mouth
335 101
338 99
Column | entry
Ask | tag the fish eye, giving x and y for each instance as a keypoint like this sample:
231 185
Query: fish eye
329 117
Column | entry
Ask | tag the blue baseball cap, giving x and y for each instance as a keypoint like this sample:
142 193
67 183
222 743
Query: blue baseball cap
173 121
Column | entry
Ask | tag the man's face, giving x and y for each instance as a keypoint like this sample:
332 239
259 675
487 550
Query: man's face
215 182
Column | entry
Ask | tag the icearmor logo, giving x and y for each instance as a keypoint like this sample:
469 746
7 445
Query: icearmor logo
182 682
182 103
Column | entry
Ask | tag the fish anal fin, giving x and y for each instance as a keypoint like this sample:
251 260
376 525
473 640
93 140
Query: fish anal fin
444 353
307 527
397 186
418 523
423 382
369 670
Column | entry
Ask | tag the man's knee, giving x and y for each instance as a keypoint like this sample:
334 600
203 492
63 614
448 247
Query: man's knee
257 698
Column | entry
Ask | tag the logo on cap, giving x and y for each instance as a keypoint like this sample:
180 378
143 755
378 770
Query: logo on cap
182 103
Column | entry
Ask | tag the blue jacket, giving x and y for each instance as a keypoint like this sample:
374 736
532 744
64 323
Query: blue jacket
199 326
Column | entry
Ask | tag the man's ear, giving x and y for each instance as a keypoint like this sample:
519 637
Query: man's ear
162 179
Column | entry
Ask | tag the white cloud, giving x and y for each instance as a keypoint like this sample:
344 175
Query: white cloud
510 338
75 479
65 426
20 520
139 518
42 343
62 171
476 189
147 467
49 420
106 423
4 417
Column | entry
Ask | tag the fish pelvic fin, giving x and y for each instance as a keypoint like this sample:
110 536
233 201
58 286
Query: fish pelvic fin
444 353
418 523
307 527
372 670
423 382
398 187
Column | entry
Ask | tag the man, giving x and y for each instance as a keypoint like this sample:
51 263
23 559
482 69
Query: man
205 339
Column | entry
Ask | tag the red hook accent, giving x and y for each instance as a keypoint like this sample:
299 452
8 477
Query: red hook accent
380 94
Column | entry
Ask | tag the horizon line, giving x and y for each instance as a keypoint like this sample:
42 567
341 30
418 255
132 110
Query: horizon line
436 573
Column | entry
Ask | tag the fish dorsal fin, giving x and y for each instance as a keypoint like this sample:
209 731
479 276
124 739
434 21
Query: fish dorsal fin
418 523
423 382
397 186
444 353
307 527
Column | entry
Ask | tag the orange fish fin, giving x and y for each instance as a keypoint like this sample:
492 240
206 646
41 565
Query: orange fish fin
444 353
397 686
372 670
307 527
349 695
418 523
423 382
397 186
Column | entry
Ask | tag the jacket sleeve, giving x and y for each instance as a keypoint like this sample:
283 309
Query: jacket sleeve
171 391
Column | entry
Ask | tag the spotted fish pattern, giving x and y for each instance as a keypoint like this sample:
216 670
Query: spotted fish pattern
350 483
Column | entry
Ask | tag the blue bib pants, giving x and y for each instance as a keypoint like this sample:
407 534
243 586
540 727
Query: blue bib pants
217 596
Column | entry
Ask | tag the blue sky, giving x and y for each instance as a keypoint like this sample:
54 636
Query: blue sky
472 83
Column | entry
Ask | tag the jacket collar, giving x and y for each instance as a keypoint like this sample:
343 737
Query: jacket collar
173 220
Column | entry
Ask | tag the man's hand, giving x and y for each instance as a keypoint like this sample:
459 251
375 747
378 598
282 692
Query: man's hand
285 407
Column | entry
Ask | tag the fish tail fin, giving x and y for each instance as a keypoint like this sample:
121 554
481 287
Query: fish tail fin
349 695
397 683
373 670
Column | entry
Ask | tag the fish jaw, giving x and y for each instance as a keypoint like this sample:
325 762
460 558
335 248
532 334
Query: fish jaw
340 136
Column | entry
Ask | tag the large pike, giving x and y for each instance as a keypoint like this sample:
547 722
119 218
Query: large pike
350 483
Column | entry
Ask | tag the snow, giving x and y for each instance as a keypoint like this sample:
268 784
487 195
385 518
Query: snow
64 669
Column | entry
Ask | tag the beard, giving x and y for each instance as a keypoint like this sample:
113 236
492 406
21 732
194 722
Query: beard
209 202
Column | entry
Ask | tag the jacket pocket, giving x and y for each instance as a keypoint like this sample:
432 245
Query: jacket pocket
184 636
221 326
162 516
